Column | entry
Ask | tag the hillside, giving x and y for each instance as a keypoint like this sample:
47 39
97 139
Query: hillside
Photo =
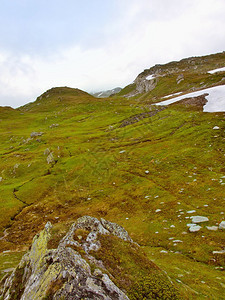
188 74
155 170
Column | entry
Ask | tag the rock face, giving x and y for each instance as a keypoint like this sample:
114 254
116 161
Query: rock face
62 273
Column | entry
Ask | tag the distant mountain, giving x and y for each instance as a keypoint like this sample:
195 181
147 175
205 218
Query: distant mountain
108 93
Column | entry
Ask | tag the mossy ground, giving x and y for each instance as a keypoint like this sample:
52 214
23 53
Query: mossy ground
173 161
8 261
132 271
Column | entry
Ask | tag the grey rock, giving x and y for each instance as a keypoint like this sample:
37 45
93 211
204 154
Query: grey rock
191 211
199 219
50 158
47 151
35 134
222 225
212 228
143 85
194 228
53 125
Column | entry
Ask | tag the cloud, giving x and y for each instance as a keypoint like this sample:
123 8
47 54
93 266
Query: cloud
141 34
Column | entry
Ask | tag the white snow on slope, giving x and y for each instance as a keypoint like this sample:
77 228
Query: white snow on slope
215 98
150 77
217 70
168 96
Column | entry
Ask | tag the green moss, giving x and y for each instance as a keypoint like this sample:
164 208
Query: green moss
132 270
152 287
18 286
8 261
57 233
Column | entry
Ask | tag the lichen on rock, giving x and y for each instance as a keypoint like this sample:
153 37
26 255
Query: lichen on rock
71 270
42 268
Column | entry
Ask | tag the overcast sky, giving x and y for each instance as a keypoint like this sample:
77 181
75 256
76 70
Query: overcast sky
98 44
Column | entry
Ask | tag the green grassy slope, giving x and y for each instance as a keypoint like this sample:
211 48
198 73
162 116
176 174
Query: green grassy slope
146 176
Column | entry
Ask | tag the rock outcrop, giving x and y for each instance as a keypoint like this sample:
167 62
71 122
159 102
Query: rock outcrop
63 273
93 260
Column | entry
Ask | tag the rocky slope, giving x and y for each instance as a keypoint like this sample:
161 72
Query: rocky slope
71 271
179 73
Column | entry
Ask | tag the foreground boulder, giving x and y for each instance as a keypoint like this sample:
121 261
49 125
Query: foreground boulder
93 260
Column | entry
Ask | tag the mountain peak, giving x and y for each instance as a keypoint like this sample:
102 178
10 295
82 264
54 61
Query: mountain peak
58 96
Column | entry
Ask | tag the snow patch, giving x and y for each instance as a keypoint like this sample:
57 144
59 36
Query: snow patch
215 98
217 70
150 77
171 95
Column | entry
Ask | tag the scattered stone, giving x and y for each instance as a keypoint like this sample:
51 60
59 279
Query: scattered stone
222 225
47 151
213 228
146 172
216 127
16 166
53 125
163 251
191 211
199 219
158 210
122 151
177 241
194 228
172 226
219 252
35 134
50 158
